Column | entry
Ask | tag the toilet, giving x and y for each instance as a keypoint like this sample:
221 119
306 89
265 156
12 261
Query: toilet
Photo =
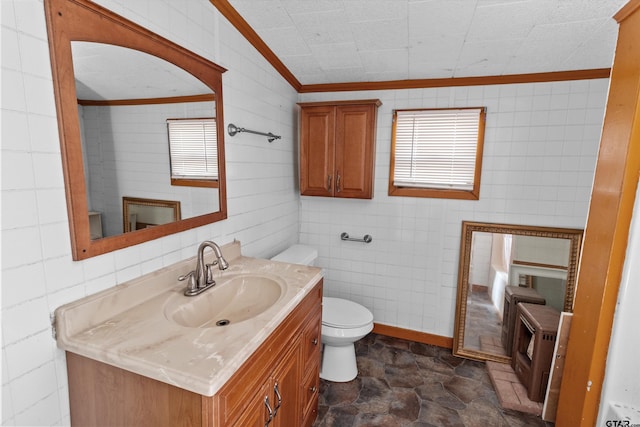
343 323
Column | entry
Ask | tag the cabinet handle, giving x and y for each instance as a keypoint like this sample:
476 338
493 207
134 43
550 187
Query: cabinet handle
328 182
313 389
314 341
277 392
266 403
338 183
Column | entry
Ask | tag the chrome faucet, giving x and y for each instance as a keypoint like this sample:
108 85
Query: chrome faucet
201 278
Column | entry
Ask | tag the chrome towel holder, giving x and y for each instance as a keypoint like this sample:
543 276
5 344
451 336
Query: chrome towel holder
366 239
233 130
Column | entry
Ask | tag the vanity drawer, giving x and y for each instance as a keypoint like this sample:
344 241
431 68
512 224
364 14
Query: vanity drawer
312 338
309 394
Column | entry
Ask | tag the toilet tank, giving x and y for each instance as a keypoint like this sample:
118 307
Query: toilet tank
298 254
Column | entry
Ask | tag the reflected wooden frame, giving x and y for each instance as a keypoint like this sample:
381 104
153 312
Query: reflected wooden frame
572 234
83 20
158 208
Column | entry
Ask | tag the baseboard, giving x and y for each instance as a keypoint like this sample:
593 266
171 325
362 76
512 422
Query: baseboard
479 288
411 335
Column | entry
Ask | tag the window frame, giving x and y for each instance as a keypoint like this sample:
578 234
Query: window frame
441 193
193 181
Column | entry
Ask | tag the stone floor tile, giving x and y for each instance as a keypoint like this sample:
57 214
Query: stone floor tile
405 405
407 384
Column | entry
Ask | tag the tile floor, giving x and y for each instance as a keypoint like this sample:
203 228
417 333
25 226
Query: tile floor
403 383
483 326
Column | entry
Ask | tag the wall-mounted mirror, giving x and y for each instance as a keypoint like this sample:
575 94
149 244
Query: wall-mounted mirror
501 265
117 86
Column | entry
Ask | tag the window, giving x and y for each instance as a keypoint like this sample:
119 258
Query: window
193 152
437 153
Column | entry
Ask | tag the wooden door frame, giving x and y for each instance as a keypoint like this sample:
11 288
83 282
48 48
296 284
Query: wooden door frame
606 233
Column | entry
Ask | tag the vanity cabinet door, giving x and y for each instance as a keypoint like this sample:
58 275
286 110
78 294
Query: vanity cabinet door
276 371
255 414
276 404
285 385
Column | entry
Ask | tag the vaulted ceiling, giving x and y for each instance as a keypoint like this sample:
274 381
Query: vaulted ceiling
321 42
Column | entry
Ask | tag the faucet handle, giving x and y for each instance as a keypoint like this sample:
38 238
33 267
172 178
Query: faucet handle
209 273
192 285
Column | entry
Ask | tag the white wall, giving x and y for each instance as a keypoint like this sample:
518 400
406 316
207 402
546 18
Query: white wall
38 273
480 262
621 385
540 152
541 250
122 163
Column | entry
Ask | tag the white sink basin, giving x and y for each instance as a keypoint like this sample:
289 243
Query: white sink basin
235 298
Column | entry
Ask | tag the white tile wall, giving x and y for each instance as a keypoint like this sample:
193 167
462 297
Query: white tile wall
136 165
540 150
38 274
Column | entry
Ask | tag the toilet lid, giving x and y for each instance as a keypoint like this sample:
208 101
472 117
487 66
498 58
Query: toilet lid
342 313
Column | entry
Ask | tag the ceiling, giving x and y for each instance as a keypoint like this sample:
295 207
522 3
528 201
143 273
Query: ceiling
342 41
324 42
105 72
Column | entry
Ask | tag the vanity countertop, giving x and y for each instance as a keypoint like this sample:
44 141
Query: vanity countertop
126 327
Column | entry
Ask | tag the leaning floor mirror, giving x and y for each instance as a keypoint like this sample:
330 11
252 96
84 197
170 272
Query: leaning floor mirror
498 261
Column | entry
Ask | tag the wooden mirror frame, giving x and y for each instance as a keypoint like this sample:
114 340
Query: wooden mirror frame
82 20
571 234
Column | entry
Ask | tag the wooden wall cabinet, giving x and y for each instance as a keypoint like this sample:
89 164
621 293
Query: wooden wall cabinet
337 148
283 372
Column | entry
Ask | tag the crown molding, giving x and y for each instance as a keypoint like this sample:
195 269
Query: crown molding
252 37
599 73
225 8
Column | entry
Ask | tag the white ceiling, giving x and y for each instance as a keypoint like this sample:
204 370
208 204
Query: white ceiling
110 72
340 41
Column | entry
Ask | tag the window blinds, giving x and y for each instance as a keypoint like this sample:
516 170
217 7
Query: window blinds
193 148
436 148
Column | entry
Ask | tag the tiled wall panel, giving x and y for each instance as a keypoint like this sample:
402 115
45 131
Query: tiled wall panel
540 151
38 273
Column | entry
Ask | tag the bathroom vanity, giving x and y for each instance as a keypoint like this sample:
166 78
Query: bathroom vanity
132 361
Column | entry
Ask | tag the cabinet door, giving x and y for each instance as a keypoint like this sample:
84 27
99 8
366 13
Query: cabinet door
256 414
317 138
286 384
277 404
355 151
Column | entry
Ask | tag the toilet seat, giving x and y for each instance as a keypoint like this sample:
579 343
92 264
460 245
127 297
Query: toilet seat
344 314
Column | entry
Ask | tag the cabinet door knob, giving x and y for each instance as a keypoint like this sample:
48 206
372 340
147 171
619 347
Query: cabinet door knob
328 182
313 389
314 341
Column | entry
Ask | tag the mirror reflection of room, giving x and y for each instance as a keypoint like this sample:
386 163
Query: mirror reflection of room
503 265
123 113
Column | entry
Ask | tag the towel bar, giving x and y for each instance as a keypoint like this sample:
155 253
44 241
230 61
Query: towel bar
366 239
